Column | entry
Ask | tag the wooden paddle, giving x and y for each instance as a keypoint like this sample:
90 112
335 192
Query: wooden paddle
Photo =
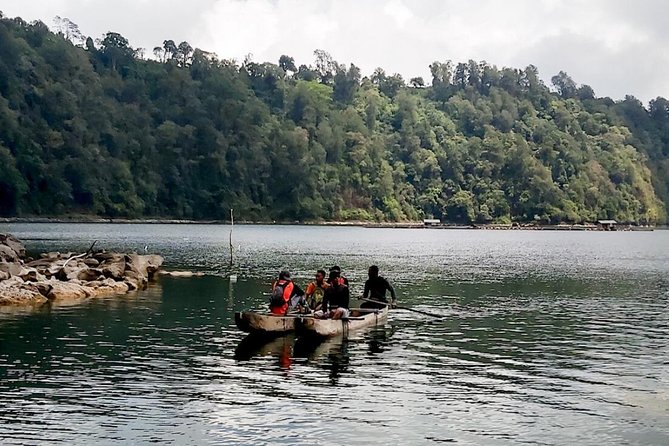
403 308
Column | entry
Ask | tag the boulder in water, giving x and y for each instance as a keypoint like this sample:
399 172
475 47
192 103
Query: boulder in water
113 269
14 244
14 291
68 290
67 276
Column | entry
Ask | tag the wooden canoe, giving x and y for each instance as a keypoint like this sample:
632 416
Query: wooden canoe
258 322
336 327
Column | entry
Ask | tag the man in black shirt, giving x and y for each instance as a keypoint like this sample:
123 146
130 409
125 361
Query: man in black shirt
337 270
336 297
375 289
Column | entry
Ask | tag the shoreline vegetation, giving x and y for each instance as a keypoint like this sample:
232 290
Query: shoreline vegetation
58 277
365 224
95 127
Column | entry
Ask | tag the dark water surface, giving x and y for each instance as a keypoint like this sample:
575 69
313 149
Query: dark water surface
549 338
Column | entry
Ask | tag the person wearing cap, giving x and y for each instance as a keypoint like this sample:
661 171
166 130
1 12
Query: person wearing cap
375 290
336 297
285 295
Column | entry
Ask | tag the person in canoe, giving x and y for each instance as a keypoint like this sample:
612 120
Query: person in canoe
286 295
316 290
337 270
375 289
336 297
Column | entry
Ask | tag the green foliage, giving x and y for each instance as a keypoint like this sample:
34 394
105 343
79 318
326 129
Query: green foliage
95 128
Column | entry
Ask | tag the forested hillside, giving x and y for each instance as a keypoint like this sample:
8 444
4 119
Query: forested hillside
92 127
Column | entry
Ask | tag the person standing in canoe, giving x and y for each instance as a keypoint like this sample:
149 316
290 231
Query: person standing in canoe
375 289
285 296
316 290
336 297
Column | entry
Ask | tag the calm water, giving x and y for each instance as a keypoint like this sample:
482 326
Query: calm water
548 338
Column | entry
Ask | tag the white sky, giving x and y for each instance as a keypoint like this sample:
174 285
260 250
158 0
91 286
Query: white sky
618 47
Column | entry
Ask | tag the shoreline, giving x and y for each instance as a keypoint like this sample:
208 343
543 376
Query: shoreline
365 224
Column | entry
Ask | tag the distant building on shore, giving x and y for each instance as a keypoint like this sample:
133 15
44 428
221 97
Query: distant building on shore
607 225
431 222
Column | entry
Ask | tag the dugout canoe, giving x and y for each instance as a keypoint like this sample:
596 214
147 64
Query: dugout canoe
335 327
262 322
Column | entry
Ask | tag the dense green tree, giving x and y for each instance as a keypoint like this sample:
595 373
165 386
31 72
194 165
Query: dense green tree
417 82
565 85
346 83
98 130
326 66
116 50
287 64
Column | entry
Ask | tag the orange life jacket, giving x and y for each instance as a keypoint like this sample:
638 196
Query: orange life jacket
287 292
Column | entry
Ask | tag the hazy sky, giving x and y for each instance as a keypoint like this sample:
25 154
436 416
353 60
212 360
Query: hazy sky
618 47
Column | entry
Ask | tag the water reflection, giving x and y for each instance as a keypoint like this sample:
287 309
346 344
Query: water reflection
260 345
533 349
332 354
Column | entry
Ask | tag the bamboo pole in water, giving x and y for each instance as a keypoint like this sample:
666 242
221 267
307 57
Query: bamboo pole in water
232 225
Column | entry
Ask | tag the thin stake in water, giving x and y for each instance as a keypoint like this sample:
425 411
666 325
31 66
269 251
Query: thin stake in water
232 225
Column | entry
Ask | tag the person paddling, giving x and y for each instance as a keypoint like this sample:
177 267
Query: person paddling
285 295
375 289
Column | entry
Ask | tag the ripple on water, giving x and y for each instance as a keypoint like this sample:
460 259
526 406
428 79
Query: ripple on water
531 349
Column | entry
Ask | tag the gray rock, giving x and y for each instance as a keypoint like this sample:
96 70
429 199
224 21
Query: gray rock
108 257
18 293
68 290
12 268
8 254
145 266
135 281
114 270
90 274
13 243
67 272
14 280
39 262
62 276
31 275
44 288
93 263
50 255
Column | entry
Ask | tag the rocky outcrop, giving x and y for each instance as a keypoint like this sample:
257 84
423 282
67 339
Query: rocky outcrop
13 244
55 276
14 291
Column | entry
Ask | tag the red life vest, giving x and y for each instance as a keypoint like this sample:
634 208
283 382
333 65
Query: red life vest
339 281
287 292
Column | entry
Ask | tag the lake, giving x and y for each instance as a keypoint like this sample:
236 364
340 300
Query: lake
548 338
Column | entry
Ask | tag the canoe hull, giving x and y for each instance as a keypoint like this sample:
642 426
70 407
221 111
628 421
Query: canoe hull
338 327
252 322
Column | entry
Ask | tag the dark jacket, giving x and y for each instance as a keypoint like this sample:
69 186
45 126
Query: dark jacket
336 296
375 289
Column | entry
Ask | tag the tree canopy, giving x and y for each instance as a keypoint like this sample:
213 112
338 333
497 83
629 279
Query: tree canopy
93 127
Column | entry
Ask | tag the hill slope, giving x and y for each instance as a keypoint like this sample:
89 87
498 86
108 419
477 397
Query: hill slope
94 128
